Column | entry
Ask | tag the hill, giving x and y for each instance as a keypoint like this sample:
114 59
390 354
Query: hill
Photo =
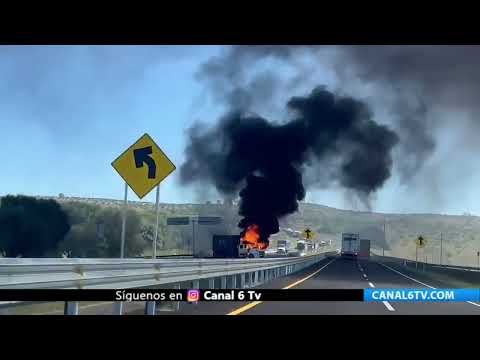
461 234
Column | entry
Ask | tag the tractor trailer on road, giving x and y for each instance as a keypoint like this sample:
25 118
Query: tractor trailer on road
350 245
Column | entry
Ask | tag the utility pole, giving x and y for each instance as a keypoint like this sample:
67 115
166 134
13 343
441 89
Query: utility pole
441 248
193 236
384 234
416 256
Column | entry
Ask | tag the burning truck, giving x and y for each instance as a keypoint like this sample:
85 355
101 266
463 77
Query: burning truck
248 244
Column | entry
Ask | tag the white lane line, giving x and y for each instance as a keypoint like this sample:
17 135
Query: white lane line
389 307
408 277
471 302
365 276
386 303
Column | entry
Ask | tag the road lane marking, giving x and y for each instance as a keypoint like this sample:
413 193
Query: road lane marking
307 277
244 308
255 303
408 277
386 303
471 302
365 276
389 307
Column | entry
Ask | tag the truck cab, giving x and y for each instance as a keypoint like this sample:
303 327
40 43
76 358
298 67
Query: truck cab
245 251
255 253
242 250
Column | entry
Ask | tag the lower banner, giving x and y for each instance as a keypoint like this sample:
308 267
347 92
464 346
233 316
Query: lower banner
252 294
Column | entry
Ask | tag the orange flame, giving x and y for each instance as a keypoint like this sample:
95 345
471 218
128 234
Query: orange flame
252 238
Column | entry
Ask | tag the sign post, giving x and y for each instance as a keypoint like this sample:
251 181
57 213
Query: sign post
124 220
441 249
416 257
154 256
143 166
420 243
193 237
478 259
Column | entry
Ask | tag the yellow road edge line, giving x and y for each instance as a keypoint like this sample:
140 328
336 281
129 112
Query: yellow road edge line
255 303
244 308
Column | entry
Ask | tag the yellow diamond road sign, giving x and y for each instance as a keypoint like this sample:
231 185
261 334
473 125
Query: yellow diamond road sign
308 234
420 241
143 166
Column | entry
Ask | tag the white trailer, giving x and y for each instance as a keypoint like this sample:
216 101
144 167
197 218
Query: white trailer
350 245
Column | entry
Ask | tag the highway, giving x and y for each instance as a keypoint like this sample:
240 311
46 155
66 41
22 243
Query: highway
332 272
337 273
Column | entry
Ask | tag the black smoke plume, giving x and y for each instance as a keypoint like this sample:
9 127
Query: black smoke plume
266 159
419 79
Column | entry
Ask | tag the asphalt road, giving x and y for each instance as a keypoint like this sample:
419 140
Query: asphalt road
337 273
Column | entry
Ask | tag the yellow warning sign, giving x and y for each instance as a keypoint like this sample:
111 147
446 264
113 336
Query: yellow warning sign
308 234
143 165
420 241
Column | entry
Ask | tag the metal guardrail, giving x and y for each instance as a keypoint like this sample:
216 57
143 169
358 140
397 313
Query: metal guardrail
138 273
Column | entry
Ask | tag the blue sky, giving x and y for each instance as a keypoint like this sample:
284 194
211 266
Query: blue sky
66 112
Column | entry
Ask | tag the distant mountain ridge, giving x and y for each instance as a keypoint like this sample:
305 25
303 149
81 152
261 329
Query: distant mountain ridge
460 234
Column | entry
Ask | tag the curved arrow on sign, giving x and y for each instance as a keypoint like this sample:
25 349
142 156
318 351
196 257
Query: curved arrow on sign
141 156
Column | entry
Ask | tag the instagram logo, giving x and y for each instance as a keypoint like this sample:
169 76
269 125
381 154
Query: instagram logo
193 295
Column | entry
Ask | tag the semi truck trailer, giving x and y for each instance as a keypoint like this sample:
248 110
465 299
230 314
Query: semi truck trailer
350 245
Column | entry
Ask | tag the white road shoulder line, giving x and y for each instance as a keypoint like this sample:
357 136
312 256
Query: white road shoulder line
408 277
429 286
386 303
389 307
471 302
